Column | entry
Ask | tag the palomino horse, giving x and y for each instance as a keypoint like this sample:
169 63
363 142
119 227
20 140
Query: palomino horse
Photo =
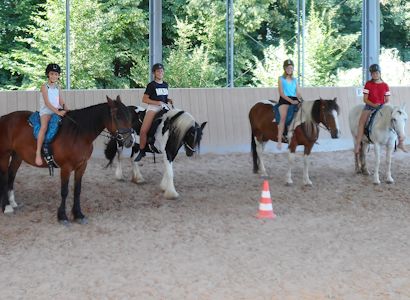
303 130
176 128
388 124
72 147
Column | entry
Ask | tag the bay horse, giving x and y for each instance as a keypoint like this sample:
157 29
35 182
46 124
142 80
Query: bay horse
303 130
177 128
72 147
388 124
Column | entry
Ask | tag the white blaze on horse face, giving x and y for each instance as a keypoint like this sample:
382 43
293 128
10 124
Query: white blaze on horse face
334 113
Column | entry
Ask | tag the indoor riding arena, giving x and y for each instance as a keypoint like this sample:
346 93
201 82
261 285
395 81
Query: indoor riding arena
341 238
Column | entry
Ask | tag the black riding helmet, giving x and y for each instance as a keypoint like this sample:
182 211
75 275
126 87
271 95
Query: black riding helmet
53 67
288 62
374 68
157 66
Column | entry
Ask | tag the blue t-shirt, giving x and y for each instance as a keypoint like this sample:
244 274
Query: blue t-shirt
157 91
289 88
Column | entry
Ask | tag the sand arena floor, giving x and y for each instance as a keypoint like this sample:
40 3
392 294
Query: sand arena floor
343 238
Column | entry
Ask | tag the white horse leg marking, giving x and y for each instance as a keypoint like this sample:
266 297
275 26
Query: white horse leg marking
306 179
167 182
376 179
118 169
389 151
8 209
12 199
291 158
259 150
136 173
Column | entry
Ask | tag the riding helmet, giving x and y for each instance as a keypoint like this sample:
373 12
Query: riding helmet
157 66
288 62
53 67
374 68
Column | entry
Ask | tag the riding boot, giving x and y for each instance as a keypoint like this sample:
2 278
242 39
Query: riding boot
140 155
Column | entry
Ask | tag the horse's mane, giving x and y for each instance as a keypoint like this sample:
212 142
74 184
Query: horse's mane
180 125
84 119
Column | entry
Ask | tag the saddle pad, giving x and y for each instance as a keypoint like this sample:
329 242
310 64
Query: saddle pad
292 109
52 129
369 124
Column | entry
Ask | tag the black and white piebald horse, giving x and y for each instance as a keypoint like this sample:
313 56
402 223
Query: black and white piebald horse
176 128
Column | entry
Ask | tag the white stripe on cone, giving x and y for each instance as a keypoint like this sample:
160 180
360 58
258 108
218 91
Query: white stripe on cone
265 206
265 194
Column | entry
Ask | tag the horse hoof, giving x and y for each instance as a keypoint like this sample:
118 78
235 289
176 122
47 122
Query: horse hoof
376 183
390 181
309 184
82 221
365 172
65 223
140 181
171 196
8 209
289 183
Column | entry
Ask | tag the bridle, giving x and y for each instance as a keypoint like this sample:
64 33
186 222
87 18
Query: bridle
393 123
121 134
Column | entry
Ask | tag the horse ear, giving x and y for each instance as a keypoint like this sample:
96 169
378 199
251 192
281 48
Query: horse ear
203 125
320 98
109 100
334 99
118 98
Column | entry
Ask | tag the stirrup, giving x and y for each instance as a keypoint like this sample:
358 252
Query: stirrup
153 149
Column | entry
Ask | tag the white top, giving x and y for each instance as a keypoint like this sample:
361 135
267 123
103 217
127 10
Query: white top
53 97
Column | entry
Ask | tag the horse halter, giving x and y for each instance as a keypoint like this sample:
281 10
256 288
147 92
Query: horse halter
195 134
325 121
121 134
393 123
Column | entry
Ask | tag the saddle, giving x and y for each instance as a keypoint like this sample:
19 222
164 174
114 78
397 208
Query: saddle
151 133
369 124
292 110
52 130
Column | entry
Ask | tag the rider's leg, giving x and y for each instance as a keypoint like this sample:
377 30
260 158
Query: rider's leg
360 129
146 125
283 110
44 119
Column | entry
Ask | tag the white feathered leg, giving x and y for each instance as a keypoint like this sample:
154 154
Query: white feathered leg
12 199
167 182
12 203
260 146
291 158
389 151
376 179
306 179
136 173
118 169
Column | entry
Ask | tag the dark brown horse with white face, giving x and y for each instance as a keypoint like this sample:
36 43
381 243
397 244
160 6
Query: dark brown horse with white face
303 130
72 147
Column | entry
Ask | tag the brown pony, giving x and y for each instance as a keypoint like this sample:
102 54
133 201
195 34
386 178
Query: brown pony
72 147
303 130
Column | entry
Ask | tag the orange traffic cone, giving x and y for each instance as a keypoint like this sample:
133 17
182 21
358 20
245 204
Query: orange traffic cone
265 203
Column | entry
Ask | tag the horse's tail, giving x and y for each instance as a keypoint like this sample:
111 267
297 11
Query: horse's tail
110 151
254 154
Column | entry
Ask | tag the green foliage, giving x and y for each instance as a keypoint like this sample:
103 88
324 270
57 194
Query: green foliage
324 47
188 65
109 41
266 72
